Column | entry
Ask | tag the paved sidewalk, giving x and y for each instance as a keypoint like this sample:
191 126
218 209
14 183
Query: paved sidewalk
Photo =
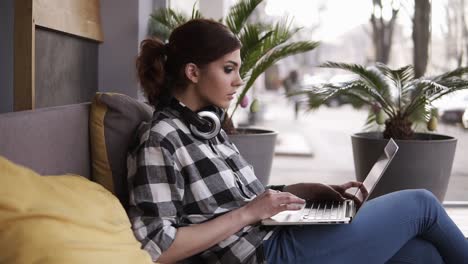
319 145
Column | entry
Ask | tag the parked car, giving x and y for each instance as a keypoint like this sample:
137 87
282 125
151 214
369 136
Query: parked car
452 107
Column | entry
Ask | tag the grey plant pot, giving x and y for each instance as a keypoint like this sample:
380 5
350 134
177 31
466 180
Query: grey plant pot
425 162
257 146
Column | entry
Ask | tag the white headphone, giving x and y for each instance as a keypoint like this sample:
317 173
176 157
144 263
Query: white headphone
204 124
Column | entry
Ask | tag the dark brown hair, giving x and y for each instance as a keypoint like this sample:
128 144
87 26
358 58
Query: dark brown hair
160 66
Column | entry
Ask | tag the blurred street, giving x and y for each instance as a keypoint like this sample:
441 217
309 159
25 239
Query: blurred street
326 136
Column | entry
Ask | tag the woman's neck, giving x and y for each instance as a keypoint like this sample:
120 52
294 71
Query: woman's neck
188 98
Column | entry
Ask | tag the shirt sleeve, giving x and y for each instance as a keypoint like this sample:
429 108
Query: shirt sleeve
156 193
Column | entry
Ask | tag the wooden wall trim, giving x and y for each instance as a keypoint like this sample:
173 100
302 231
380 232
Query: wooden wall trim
24 53
77 17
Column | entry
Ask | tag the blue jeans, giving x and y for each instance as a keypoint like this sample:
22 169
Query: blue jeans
402 227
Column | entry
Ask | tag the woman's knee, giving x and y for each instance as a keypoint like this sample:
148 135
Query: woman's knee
418 195
423 195
417 250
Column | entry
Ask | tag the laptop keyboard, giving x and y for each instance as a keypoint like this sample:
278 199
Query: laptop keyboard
324 210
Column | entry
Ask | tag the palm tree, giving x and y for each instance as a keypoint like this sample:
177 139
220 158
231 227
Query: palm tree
397 98
262 45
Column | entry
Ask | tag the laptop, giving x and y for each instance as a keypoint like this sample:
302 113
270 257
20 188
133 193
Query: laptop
335 212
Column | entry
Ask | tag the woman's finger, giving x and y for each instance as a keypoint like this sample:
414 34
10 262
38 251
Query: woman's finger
338 196
351 184
288 198
338 188
330 194
284 207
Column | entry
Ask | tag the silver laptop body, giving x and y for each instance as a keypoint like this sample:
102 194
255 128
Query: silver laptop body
334 212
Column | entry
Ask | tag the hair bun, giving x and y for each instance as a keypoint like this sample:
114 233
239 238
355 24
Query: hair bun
150 68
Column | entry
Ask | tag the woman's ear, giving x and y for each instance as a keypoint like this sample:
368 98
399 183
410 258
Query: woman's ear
192 72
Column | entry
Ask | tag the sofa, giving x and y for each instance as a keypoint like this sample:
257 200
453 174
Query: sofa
76 214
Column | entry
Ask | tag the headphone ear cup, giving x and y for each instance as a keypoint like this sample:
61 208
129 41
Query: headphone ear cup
214 129
220 112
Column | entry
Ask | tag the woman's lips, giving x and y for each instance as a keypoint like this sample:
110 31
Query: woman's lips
231 96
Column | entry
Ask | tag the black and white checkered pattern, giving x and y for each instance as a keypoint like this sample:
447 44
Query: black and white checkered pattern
177 180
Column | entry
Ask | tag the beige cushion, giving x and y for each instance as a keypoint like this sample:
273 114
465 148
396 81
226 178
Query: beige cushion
62 219
113 121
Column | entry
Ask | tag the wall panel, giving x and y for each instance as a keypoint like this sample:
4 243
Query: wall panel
56 52
66 68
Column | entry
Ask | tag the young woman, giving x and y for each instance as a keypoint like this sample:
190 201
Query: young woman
194 198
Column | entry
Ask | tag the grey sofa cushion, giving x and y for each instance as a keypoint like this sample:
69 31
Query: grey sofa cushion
113 122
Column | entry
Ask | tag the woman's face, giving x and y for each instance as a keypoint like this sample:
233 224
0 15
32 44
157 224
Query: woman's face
219 80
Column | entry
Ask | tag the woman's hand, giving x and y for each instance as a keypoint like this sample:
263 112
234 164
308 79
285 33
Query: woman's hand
270 203
320 192
343 188
213 231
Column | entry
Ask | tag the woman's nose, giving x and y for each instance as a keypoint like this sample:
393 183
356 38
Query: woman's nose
238 82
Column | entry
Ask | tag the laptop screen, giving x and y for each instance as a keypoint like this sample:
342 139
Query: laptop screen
362 193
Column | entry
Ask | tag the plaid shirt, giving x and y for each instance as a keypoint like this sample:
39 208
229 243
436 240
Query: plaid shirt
176 180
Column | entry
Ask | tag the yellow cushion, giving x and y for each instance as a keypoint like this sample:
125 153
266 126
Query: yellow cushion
113 122
62 219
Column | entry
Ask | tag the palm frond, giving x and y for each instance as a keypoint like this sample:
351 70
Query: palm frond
380 82
178 17
361 96
328 91
277 54
422 113
251 38
239 13
281 32
424 89
373 80
371 124
271 58
355 92
399 80
453 85
168 18
260 43
459 72
195 12
158 30
433 90
400 77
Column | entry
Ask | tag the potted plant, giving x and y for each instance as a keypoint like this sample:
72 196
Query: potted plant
262 46
401 104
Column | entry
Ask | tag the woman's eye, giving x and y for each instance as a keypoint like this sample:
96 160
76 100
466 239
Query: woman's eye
228 69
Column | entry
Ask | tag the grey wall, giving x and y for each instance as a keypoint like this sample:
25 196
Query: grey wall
66 68
125 25
117 53
6 55
145 8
